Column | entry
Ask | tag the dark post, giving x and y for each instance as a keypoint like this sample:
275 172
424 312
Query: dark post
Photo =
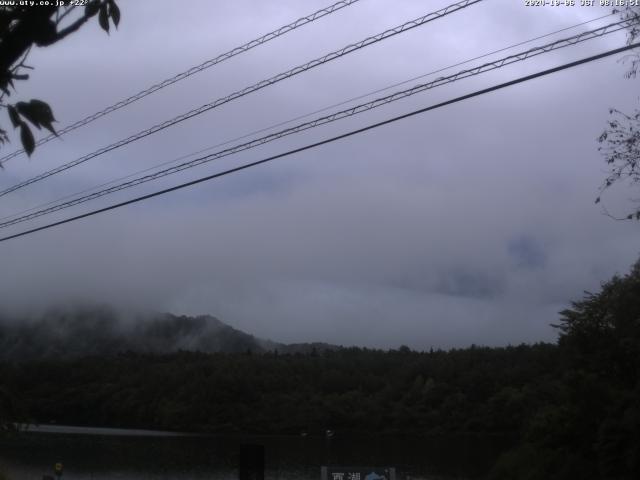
251 462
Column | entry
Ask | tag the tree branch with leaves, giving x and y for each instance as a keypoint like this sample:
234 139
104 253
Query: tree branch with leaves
21 28
620 145
620 141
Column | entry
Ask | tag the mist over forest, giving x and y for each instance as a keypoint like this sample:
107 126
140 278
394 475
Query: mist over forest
100 330
419 248
569 409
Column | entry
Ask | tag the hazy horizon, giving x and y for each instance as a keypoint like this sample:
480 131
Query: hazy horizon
471 224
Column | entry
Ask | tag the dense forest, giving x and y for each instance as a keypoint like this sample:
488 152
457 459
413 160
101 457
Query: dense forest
572 409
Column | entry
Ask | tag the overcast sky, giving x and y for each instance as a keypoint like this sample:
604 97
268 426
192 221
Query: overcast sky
474 223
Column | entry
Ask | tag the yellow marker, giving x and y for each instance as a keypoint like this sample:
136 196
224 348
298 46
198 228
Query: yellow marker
58 469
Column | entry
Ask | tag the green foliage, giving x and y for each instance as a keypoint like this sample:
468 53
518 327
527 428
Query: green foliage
572 410
23 27
631 13
353 389
589 428
620 147
602 331
620 141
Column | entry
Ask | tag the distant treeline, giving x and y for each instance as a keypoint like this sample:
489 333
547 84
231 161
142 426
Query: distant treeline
73 332
357 390
572 408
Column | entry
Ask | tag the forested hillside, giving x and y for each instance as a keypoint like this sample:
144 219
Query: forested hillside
571 410
475 389
73 332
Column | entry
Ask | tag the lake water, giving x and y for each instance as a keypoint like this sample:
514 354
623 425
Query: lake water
109 454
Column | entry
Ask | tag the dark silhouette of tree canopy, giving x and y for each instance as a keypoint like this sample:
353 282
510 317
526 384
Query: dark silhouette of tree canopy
603 329
567 411
22 27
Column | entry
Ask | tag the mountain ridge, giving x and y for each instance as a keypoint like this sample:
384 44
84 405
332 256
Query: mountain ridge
71 332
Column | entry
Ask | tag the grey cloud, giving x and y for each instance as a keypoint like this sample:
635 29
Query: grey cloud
470 224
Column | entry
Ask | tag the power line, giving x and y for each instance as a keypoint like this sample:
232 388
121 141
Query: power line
291 120
329 140
258 86
193 70
518 57
330 118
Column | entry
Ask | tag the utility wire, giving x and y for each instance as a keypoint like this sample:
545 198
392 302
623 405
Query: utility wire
192 71
596 33
258 86
300 117
329 140
291 120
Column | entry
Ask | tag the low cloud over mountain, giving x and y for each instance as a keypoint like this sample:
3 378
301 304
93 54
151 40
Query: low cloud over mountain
100 330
